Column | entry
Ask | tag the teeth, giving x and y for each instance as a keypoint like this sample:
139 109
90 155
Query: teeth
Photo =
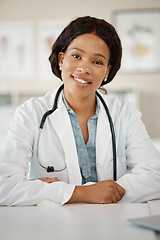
80 80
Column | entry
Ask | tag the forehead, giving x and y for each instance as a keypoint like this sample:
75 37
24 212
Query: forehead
89 42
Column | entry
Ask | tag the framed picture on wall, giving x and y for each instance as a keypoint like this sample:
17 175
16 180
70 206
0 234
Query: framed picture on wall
48 32
16 50
139 32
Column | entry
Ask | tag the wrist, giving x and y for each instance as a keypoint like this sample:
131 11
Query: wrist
78 195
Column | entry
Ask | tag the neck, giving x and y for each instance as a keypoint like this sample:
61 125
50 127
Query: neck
84 107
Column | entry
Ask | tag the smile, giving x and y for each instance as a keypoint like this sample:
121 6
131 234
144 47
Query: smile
81 80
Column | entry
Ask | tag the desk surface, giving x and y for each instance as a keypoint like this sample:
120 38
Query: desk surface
76 221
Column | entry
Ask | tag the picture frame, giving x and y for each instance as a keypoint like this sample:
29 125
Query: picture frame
139 31
16 50
48 31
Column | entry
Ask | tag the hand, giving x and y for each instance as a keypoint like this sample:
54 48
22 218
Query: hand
49 180
107 191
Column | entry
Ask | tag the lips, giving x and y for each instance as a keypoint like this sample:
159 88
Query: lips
81 80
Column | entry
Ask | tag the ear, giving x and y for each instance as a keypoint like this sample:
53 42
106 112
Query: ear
108 70
60 58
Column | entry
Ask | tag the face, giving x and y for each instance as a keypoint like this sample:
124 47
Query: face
84 65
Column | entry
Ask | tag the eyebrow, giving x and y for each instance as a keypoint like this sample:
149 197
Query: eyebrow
96 54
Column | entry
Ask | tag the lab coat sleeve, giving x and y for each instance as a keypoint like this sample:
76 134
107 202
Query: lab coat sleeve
142 182
15 188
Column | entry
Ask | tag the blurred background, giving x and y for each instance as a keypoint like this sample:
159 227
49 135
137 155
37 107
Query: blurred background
28 29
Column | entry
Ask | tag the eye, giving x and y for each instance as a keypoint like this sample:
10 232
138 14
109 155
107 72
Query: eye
76 56
98 62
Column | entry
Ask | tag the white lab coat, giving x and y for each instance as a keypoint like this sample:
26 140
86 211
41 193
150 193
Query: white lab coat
138 162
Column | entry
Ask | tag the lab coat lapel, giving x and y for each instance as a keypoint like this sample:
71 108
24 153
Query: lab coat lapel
103 145
61 123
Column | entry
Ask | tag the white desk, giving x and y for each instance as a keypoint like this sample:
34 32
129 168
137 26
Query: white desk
75 222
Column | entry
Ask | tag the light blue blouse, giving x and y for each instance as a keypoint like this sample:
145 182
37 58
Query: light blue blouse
86 152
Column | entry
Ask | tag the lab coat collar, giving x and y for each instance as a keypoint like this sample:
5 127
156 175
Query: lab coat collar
52 97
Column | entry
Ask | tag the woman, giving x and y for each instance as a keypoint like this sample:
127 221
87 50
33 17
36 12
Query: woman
76 138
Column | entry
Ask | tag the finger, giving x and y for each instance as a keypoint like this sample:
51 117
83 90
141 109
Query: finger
43 179
121 190
118 196
115 200
54 179
49 180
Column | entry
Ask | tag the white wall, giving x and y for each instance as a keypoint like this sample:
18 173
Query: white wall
148 85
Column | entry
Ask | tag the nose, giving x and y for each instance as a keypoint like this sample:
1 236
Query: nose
84 68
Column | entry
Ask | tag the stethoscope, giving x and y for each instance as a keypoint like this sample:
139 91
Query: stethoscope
51 168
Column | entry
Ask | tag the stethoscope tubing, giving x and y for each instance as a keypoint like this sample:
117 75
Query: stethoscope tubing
48 168
51 168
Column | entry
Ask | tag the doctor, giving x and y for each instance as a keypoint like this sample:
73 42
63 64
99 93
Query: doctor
76 138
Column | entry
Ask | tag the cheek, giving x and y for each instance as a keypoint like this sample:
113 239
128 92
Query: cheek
100 75
68 65
67 69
